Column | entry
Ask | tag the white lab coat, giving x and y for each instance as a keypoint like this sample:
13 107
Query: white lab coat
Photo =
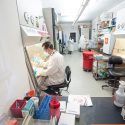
71 45
55 70
83 42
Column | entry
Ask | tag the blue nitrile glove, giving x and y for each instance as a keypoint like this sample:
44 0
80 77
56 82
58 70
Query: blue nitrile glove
40 72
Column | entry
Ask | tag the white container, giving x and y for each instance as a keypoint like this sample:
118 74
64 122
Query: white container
36 101
120 95
123 112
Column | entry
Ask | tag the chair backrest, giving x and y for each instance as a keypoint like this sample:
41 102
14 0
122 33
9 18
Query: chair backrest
115 60
68 74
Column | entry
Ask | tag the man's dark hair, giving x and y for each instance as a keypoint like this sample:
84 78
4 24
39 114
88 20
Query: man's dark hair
47 45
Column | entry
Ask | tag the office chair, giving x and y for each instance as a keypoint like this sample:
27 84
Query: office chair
115 72
57 89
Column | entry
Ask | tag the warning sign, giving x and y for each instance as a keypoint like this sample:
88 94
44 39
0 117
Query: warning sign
106 40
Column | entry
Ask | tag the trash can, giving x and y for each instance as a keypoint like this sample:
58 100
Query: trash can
88 60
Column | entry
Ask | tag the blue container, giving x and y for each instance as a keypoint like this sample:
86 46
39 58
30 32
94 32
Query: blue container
113 21
43 111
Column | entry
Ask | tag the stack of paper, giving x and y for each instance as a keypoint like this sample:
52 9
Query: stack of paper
66 119
73 108
83 100
62 106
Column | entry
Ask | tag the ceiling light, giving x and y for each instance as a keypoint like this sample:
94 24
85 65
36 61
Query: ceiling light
81 9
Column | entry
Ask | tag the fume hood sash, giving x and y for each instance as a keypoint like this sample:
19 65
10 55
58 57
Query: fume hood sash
32 36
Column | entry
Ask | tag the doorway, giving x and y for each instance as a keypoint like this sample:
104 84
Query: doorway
73 36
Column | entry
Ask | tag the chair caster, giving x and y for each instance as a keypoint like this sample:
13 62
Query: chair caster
87 70
104 86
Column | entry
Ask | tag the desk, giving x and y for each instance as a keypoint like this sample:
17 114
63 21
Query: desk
103 111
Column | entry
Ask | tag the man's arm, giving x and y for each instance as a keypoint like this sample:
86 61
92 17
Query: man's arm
51 68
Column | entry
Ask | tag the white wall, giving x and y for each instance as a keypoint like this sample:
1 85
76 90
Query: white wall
67 28
33 11
116 8
47 12
13 72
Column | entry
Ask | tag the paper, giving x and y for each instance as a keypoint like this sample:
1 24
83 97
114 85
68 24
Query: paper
62 106
66 119
83 100
73 108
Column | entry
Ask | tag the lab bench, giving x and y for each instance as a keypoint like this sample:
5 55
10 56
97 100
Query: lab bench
103 111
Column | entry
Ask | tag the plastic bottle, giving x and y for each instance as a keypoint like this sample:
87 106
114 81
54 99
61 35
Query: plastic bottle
119 99
54 108
36 102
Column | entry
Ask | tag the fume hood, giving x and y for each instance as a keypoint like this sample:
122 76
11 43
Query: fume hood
32 23
32 36
33 31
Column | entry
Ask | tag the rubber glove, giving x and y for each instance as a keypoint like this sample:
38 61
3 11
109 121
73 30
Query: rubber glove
40 72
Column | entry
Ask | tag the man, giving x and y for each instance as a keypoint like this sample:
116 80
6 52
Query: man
54 71
83 43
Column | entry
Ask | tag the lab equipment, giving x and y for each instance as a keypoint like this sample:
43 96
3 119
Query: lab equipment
119 99
54 106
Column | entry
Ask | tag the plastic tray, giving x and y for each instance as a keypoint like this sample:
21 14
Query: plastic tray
16 108
43 110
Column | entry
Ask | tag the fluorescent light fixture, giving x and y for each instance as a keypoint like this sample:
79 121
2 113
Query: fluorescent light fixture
81 9
84 1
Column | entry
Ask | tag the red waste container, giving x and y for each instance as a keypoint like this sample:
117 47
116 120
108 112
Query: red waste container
88 60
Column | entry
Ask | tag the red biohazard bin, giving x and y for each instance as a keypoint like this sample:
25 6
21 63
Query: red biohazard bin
88 60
